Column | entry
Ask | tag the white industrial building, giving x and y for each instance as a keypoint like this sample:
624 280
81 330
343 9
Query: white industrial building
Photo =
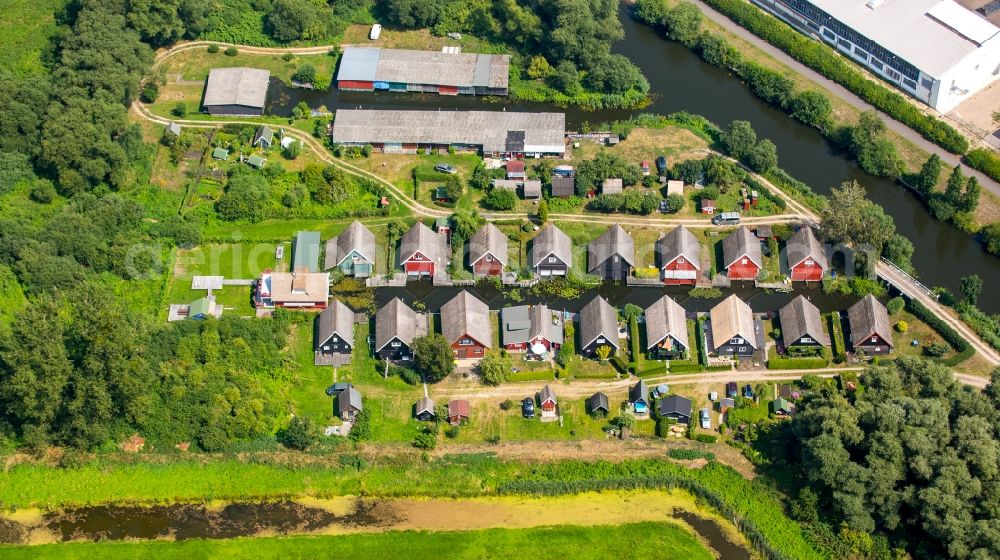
939 51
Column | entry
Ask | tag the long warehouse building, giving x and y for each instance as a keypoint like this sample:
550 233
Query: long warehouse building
447 73
494 133
938 51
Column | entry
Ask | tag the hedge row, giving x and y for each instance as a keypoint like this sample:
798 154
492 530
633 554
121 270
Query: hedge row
699 337
797 363
685 368
949 334
984 325
985 161
827 62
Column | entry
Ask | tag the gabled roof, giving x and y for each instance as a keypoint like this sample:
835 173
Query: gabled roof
803 245
420 239
174 128
337 319
305 253
466 315
676 404
799 318
488 240
614 241
547 394
458 407
598 319
347 399
425 404
515 166
563 186
666 317
263 133
638 392
355 238
732 317
869 317
395 320
523 323
742 243
598 401
237 86
552 241
679 242
782 405
532 188
220 153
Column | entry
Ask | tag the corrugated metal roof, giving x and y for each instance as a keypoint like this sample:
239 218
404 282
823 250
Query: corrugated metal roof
453 69
237 86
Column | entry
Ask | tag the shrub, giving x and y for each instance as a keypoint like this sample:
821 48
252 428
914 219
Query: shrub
895 305
150 92
984 160
936 350
231 51
706 438
500 199
180 110
451 432
213 48
902 326
949 334
426 438
299 434
689 454
362 428
507 404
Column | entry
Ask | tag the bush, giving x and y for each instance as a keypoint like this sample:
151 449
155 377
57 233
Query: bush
426 438
796 363
180 110
706 438
150 92
895 305
507 404
902 326
500 199
213 48
362 428
984 160
231 51
299 434
689 454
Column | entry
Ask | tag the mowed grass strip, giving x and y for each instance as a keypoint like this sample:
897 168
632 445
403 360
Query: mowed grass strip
625 541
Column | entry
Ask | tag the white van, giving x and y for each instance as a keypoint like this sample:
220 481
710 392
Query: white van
375 32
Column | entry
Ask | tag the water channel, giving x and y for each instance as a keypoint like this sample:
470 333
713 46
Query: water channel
347 515
680 81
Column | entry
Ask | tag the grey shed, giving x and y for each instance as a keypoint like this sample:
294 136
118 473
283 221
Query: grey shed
666 318
356 238
598 401
639 393
466 315
336 319
614 241
800 318
598 319
563 186
742 243
552 241
348 399
395 320
488 240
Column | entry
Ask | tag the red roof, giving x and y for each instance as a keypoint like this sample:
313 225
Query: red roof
458 408
515 166
645 164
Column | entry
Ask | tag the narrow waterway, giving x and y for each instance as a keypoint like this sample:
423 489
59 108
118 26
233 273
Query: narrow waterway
347 515
680 81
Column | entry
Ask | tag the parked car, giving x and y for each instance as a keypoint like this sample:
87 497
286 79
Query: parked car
661 165
748 391
528 407
706 420
445 168
731 389
726 219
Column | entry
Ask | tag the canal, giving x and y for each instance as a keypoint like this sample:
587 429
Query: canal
680 81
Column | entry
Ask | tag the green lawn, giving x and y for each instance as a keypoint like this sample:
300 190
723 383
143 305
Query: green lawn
232 260
25 29
630 541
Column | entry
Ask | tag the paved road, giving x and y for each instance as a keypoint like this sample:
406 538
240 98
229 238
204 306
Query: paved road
799 212
906 132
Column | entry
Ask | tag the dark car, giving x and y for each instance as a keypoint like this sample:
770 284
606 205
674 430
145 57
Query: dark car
528 407
731 389
445 168
661 165
748 391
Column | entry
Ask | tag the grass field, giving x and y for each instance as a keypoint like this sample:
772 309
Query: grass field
630 541
25 29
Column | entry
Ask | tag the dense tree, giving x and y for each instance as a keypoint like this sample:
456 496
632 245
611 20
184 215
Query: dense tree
292 20
953 189
300 434
566 77
763 157
970 196
930 174
615 74
495 367
22 110
500 199
739 139
876 154
971 286
245 197
683 23
674 203
434 358
991 236
591 173
543 212
717 51
899 250
851 218
915 455
812 108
